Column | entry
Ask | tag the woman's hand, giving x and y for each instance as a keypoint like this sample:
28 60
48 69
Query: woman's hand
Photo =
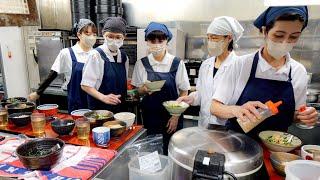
172 124
144 90
111 99
33 96
309 116
187 99
248 111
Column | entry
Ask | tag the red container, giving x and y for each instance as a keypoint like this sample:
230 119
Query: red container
48 109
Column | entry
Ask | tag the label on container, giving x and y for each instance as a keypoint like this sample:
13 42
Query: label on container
150 162
206 161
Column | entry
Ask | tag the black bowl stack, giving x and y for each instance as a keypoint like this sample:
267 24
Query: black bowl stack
105 9
80 9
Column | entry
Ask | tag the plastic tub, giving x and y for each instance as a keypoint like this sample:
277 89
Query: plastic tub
303 170
136 174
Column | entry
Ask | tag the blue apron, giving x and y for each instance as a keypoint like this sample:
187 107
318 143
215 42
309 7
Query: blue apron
77 98
155 116
262 90
114 81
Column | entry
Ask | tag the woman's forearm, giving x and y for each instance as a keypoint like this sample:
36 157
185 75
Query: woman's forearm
92 92
183 93
222 111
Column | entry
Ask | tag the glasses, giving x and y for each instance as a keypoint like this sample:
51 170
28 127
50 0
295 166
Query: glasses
83 128
3 118
38 123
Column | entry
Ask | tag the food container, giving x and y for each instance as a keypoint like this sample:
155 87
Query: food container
280 159
37 154
20 107
76 114
48 109
12 100
243 155
20 119
98 117
175 108
267 137
132 95
155 85
302 170
117 128
136 174
126 117
63 127
307 151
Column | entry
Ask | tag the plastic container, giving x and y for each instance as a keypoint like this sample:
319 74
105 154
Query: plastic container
264 113
136 174
302 170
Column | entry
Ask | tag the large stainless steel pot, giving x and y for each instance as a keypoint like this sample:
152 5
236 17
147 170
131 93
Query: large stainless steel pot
244 157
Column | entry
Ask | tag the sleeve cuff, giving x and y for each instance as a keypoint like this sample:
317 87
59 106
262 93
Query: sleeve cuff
87 83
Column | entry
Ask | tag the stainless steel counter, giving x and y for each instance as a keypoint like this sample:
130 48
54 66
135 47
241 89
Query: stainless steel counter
118 167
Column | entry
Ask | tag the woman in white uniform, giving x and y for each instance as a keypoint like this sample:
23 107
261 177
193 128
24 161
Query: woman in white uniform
105 73
223 34
160 65
70 62
268 74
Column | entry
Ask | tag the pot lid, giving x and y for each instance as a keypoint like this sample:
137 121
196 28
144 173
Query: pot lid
243 154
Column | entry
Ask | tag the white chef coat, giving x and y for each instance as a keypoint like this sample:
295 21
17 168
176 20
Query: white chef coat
139 76
63 62
205 89
93 70
233 80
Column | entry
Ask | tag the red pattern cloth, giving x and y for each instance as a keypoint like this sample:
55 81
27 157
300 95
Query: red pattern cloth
77 162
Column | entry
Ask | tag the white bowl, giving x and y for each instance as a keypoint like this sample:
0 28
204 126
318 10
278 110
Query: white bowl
175 107
307 155
126 117
302 170
155 85
296 142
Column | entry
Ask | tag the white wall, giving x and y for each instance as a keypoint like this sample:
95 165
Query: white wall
141 12
15 68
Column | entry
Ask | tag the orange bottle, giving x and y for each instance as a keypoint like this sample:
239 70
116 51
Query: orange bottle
264 113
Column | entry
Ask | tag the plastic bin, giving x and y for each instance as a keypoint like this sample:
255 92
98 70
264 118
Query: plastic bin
136 174
302 170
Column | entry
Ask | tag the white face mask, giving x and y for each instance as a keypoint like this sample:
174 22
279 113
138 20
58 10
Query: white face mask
215 48
113 44
278 50
157 49
89 41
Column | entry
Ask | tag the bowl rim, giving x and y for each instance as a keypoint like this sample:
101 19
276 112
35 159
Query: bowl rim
70 120
309 145
165 104
124 124
267 142
39 139
56 106
284 153
121 113
28 103
79 110
13 115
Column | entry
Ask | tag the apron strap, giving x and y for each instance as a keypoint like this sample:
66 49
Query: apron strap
123 57
175 64
102 54
254 65
73 56
146 64
290 78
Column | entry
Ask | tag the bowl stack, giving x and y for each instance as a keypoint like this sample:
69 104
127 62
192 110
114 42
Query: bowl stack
105 9
80 9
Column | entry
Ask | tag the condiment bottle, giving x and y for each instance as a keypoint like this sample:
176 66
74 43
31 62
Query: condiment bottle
264 114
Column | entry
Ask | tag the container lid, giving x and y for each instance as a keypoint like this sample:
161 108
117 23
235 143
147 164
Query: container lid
243 154
274 106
